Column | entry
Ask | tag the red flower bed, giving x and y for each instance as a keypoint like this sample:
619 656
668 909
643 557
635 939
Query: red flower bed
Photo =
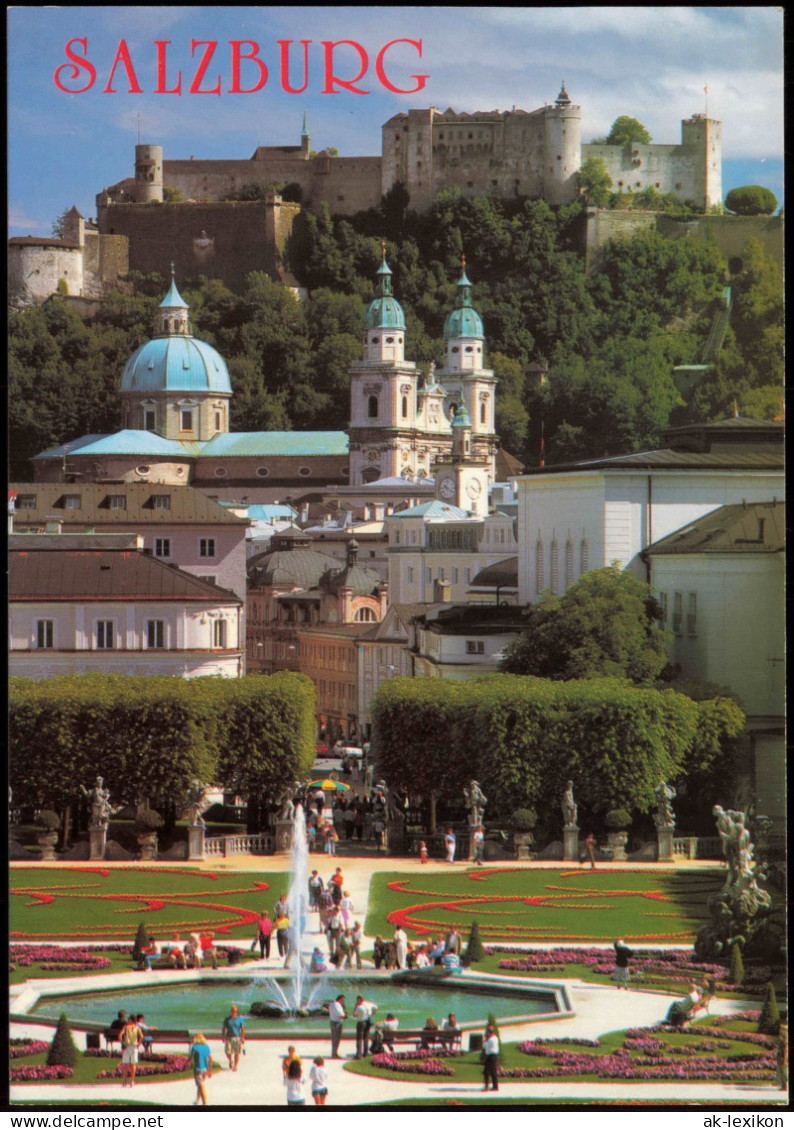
20 1048
39 1074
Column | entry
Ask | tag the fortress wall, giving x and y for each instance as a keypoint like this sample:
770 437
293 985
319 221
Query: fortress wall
215 180
35 270
349 184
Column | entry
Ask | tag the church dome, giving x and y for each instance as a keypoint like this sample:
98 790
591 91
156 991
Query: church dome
463 321
173 360
385 312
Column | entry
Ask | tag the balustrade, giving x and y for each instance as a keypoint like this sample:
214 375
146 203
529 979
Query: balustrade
260 843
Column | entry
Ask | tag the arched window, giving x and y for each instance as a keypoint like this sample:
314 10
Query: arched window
405 407
364 616
482 412
372 407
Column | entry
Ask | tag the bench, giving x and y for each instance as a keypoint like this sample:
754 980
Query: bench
447 1039
153 1036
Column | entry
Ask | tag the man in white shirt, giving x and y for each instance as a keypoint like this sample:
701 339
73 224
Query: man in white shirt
389 1026
491 1050
336 1014
363 1012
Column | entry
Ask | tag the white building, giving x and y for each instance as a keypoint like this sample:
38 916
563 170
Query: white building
464 642
720 582
582 516
85 603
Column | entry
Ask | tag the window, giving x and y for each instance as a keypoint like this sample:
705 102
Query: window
155 633
218 421
568 563
304 471
555 565
584 555
454 576
410 575
372 407
219 633
482 412
149 420
428 574
678 612
186 420
475 647
263 472
467 576
396 537
405 407
104 634
662 608
45 632
117 502
692 615
161 501
364 616
71 502
206 547
162 547
220 472
539 567
210 578
26 502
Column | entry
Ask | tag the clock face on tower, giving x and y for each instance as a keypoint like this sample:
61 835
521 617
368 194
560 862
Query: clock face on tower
447 488
474 488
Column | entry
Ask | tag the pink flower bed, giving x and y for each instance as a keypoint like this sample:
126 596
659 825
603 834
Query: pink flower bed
58 958
422 1065
38 1074
20 1048
162 1065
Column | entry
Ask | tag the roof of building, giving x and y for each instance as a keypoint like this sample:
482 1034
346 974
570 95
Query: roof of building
385 312
104 575
128 441
507 466
482 619
500 574
94 506
176 363
432 509
277 443
757 527
300 567
463 321
268 512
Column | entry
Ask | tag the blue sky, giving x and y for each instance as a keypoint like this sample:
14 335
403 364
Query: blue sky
650 62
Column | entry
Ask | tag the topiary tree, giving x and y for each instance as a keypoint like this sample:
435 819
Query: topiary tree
736 974
617 819
769 1020
141 940
63 1051
751 200
475 951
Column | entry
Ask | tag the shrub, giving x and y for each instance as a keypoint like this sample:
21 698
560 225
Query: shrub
63 1052
751 200
737 965
474 949
617 819
769 1020
148 820
48 820
141 940
524 819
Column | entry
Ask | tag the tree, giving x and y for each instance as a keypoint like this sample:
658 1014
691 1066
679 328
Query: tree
173 195
626 130
751 200
736 974
604 624
62 1051
475 951
595 183
769 1020
141 941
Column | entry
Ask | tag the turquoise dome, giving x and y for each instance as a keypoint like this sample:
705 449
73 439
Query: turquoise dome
176 363
385 312
463 321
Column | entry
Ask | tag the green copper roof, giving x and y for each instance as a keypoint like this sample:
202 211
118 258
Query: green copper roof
461 419
464 321
129 441
173 297
385 312
176 363
277 443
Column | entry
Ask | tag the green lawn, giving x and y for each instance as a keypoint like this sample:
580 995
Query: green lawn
88 1068
87 901
569 904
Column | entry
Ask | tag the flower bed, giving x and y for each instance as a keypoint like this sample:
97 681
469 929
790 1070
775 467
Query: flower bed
39 1074
161 1064
19 1048
421 1065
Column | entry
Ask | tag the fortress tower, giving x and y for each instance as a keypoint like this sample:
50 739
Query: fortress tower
148 173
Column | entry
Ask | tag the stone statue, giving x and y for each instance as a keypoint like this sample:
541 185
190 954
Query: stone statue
569 807
664 817
287 802
475 802
369 777
196 802
101 810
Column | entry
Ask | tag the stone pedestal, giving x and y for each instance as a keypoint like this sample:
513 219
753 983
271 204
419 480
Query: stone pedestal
665 836
148 845
523 842
97 841
570 842
195 841
617 842
284 830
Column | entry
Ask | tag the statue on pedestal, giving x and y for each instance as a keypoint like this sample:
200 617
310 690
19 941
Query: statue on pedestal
569 807
475 802
664 816
196 802
101 809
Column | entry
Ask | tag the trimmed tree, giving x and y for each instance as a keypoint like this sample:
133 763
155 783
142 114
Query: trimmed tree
736 974
475 951
751 200
141 940
769 1020
627 131
595 183
63 1051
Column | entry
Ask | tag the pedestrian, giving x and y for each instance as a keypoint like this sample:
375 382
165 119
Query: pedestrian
346 906
479 845
140 1020
281 907
337 1014
622 955
589 851
378 828
334 932
131 1040
282 934
208 948
233 1036
295 1084
450 842
264 934
349 818
453 943
356 938
289 1058
335 884
400 946
315 890
329 839
201 1060
319 1080
379 952
423 852
491 1061
345 950
359 822
363 1012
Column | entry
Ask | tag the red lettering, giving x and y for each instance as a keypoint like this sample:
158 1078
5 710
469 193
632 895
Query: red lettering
237 55
76 65
285 44
123 56
161 88
201 69
380 72
330 77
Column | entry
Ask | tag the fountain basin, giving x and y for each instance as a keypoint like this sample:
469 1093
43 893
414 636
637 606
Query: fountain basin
202 1004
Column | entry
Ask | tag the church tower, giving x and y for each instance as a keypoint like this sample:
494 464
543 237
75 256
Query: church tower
461 478
383 388
465 379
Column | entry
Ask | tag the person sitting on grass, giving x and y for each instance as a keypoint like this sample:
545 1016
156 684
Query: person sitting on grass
176 955
681 1012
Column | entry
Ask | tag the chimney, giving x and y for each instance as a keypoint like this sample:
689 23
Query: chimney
441 591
